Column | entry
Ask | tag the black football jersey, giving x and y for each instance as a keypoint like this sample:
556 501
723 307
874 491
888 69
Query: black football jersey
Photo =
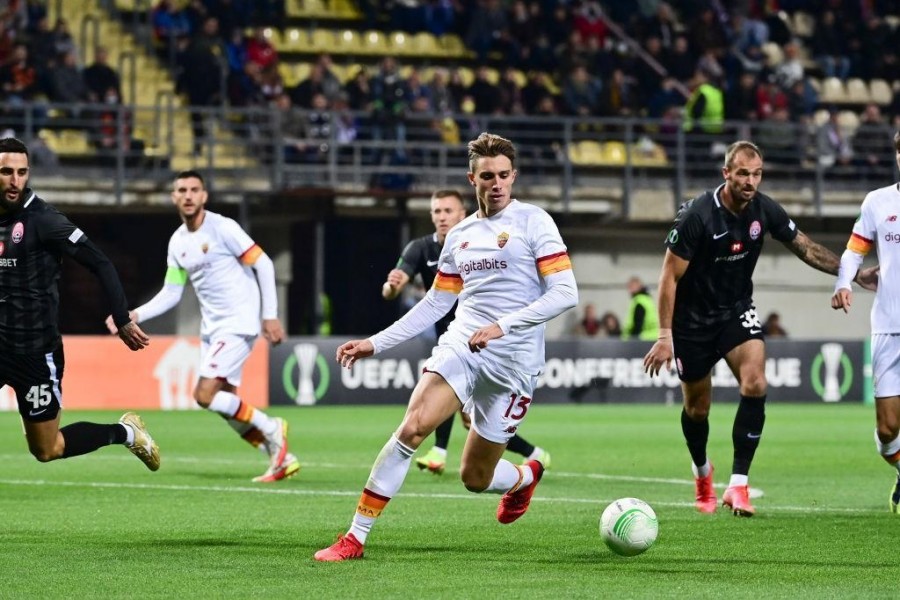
723 249
421 257
33 241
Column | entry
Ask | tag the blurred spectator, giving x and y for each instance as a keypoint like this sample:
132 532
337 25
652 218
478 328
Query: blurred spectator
582 93
705 108
488 25
271 85
872 142
66 82
99 76
802 101
772 326
790 70
523 27
438 16
18 77
442 100
680 62
359 90
740 100
40 46
662 25
780 138
236 51
292 127
457 87
589 325
769 97
610 326
391 102
260 50
169 22
588 21
35 11
832 146
620 95
706 33
642 322
114 130
485 94
535 90
829 47
201 60
510 93
63 42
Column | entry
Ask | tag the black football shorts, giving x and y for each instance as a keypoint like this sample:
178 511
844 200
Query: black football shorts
698 350
37 381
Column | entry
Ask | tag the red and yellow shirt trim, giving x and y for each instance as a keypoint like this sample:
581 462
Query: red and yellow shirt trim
250 255
448 282
859 244
554 263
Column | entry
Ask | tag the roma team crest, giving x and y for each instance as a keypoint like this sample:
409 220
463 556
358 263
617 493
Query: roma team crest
205 248
502 239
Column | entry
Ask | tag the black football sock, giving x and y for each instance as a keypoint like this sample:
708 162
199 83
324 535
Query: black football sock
696 434
442 433
748 426
84 437
520 446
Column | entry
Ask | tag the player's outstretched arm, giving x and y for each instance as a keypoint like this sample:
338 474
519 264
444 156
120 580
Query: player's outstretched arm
133 337
349 352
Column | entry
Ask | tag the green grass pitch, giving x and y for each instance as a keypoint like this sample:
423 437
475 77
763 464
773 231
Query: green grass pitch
102 526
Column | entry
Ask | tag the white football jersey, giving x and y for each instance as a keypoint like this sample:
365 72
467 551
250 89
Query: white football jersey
214 259
497 265
878 226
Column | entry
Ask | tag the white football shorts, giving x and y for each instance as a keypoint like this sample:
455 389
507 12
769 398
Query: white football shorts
495 396
886 364
223 356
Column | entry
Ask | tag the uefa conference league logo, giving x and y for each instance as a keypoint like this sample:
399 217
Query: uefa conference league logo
824 371
306 358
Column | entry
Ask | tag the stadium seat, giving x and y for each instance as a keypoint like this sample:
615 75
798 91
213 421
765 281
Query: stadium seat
375 43
426 45
833 91
880 92
647 153
857 92
349 41
273 36
295 40
816 84
401 44
848 122
820 117
466 75
324 40
294 73
454 46
586 153
614 153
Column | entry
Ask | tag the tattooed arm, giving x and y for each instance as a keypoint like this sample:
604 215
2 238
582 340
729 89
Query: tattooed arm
819 257
815 255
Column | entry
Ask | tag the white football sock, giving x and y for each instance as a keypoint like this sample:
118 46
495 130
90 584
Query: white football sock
385 479
508 476
889 449
701 471
737 480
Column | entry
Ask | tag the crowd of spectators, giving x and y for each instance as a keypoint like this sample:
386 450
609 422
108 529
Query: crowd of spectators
692 63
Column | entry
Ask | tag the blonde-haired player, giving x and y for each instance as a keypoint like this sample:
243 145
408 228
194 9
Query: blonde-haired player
235 283
510 270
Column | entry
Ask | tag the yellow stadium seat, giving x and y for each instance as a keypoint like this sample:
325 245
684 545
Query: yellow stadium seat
375 43
804 24
614 153
323 40
426 45
820 117
454 46
295 40
349 41
586 153
848 122
773 53
401 44
648 154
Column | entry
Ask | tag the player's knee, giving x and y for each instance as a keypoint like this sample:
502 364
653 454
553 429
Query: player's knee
697 412
44 454
475 480
202 397
754 385
412 434
887 431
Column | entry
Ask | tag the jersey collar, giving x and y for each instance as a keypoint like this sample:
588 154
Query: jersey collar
31 197
716 196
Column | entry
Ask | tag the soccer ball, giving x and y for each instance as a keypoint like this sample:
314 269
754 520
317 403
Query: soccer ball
628 526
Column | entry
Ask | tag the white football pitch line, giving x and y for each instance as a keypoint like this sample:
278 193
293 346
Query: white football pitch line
282 490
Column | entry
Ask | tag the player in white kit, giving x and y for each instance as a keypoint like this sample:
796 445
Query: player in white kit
878 226
510 271
235 283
